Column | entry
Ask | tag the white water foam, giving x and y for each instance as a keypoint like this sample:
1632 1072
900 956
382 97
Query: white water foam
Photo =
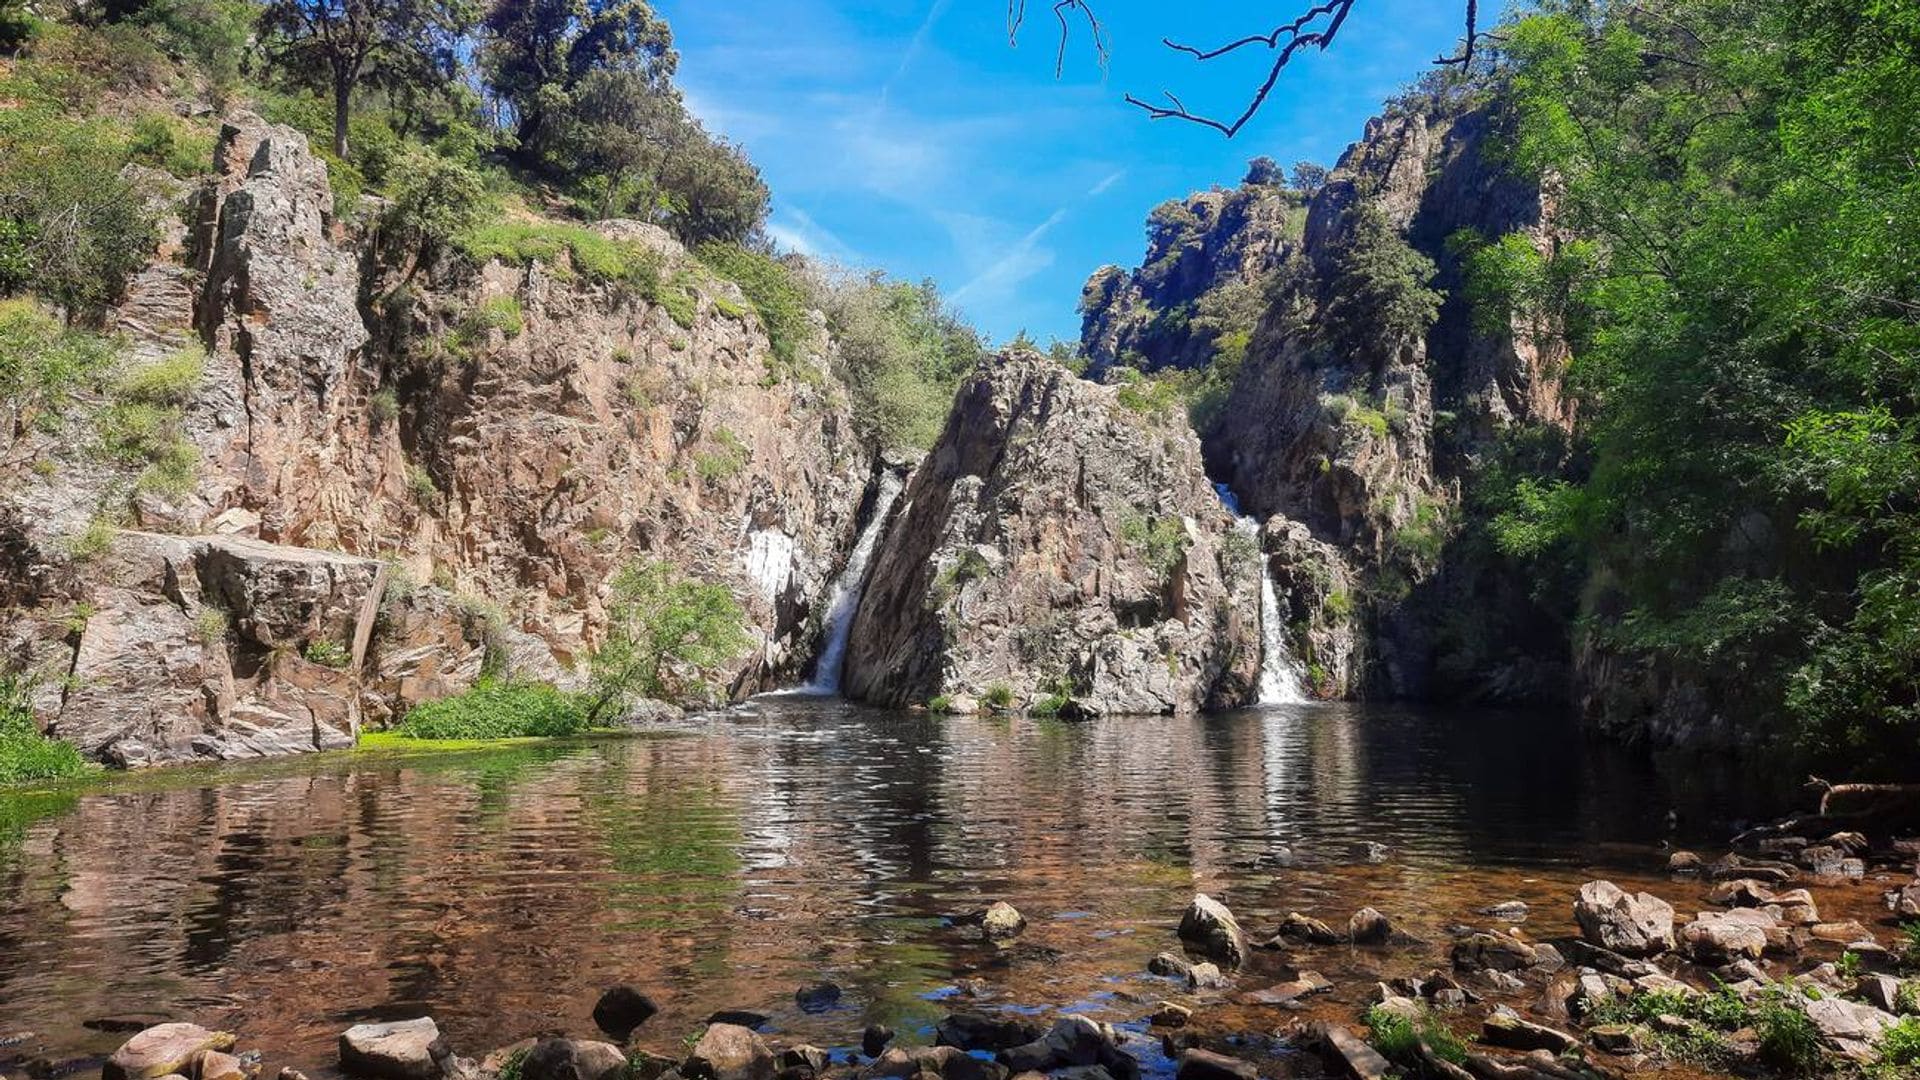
847 591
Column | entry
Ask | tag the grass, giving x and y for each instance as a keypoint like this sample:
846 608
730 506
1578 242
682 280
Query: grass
1161 540
93 541
775 294
719 466
498 710
567 248
327 653
940 703
1399 1038
502 313
27 756
1789 1042
999 696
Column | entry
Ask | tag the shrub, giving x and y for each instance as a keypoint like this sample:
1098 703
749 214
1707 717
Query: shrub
167 142
420 484
1399 1039
940 703
385 405
43 366
1339 605
586 253
72 228
1161 541
27 756
502 313
1900 1048
1789 1040
999 696
666 636
680 300
773 291
327 653
435 201
902 351
498 710
92 541
719 466
210 625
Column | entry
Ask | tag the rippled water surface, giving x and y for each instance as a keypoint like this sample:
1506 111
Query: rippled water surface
724 864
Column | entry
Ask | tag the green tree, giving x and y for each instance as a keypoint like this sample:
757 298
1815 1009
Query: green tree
666 636
537 53
336 45
1379 298
902 352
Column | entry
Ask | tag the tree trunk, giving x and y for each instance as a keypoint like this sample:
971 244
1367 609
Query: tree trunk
342 105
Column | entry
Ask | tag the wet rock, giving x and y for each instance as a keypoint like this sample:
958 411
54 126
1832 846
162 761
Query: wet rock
1298 929
945 1062
567 1059
1548 958
403 1050
1492 952
1608 961
1615 1039
1199 1064
1168 965
1206 976
1002 921
121 1023
1211 929
818 998
1369 927
1852 1028
622 1009
980 1031
1513 911
1631 925
875 1039
1072 1041
729 1052
745 1018
1718 938
803 1060
159 1051
1170 1015
1306 984
1505 1029
1685 862
1350 1055
214 1065
1740 892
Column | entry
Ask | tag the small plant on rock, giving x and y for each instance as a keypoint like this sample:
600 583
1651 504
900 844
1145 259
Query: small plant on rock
327 653
999 696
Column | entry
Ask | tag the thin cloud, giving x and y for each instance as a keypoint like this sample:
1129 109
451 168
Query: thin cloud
914 48
1107 184
1020 262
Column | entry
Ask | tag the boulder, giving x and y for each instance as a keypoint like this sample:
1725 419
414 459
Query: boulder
1369 927
875 1039
1298 929
567 1059
1206 976
1630 925
1850 1027
1209 928
1615 1039
1685 862
1482 951
1505 1029
809 1059
622 1009
1168 965
729 1052
979 1031
944 1062
1170 1015
1072 1041
1905 901
1196 1064
402 1050
1002 921
214 1065
163 1050
1719 938
1880 991
1350 1055
818 998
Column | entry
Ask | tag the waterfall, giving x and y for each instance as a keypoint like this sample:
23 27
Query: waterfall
846 591
1282 679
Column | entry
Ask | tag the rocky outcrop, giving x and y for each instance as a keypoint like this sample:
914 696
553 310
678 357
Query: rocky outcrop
502 437
1056 542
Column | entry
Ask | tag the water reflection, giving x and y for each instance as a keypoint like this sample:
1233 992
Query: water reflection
752 852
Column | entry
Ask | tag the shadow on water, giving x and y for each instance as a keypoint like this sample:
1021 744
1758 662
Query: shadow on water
791 840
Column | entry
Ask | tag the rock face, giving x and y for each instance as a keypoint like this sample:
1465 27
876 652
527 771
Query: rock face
1631 925
1353 448
1055 539
510 434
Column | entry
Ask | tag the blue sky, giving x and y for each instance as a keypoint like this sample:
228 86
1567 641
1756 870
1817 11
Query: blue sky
907 135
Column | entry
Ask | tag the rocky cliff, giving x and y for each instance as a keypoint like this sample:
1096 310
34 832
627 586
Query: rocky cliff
395 476
1357 442
1058 545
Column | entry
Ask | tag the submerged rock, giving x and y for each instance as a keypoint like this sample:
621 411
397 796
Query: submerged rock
1631 925
1001 921
1298 929
622 1009
1211 929
980 1031
163 1050
1493 952
402 1050
875 1039
818 998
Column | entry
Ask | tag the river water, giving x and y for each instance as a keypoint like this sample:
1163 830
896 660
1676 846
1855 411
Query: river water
731 860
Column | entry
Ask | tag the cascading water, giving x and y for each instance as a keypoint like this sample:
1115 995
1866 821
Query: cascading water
846 591
1282 680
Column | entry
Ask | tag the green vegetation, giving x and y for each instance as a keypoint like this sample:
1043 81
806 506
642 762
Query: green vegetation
1400 1039
327 653
1900 1049
26 756
999 697
1789 1041
210 625
902 352
777 297
498 710
1059 695
1161 541
940 703
1741 326
43 367
722 464
1378 299
666 636
501 313
586 252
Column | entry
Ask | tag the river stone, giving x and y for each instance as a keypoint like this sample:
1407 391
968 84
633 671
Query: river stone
567 1059
622 1009
1636 926
1615 1039
1210 928
1206 976
1718 938
818 998
1199 1064
1852 1028
874 1040
402 1050
810 1059
979 1031
1492 952
1168 965
1001 921
1369 927
1303 930
1905 901
160 1051
729 1052
1685 862
1170 1015
1073 1040
1505 1029
1512 911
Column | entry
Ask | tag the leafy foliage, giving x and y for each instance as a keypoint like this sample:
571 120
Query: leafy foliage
43 366
775 293
666 635
902 352
72 227
26 756
1378 299
498 710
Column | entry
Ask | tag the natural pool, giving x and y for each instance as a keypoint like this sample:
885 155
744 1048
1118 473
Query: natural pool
735 858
